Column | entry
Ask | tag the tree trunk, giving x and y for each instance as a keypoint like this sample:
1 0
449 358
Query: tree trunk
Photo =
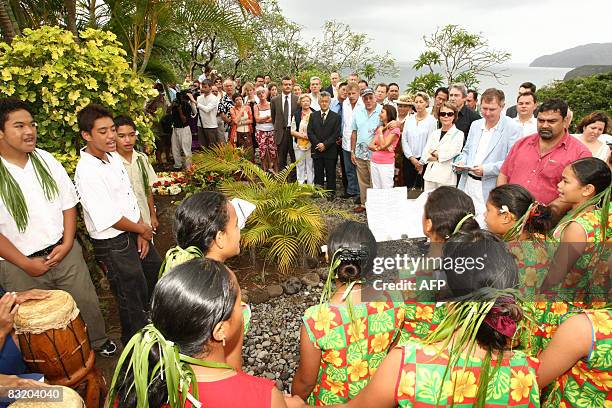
71 18
92 14
8 31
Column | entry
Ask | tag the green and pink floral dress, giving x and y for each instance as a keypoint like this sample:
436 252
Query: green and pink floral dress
351 351
589 383
423 381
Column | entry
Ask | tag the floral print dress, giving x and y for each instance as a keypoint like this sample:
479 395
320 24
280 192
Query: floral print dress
589 383
351 350
423 381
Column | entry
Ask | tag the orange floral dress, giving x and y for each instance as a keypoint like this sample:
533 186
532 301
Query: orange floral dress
423 380
353 349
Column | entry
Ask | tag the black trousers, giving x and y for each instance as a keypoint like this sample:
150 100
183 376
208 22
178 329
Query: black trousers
284 147
341 156
325 171
131 279
412 178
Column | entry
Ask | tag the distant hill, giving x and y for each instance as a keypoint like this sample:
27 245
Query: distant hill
589 54
587 70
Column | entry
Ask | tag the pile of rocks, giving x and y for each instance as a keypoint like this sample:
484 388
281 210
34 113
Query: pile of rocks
272 346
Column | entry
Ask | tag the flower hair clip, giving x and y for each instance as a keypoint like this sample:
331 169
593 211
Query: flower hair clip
504 209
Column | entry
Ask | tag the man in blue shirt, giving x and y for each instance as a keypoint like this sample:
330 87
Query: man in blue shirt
365 122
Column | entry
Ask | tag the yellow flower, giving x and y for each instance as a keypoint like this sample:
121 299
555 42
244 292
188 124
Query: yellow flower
357 370
520 385
380 342
336 387
530 277
333 357
324 319
357 330
462 384
559 308
407 383
602 322
572 279
550 330
424 313
401 313
379 306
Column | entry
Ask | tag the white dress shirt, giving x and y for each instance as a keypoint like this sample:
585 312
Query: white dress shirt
473 188
530 127
106 194
347 121
45 218
207 106
415 135
314 102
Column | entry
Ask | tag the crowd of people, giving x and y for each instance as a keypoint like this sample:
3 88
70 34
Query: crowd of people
535 203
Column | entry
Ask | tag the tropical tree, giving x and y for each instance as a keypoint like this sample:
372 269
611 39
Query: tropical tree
460 55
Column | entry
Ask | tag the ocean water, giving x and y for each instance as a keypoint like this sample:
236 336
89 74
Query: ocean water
515 73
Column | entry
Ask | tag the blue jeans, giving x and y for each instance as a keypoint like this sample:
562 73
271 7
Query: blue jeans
131 279
352 187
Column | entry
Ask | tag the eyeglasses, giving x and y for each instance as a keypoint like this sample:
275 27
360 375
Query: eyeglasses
446 114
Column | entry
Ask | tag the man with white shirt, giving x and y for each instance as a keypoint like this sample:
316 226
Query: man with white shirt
337 105
207 105
315 92
349 105
488 143
393 94
118 233
526 104
38 222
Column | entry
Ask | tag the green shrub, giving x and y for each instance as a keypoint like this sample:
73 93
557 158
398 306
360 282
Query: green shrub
287 223
59 76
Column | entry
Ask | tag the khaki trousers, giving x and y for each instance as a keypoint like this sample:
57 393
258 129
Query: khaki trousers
70 275
363 178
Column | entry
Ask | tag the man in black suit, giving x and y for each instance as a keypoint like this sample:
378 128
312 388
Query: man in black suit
323 131
333 88
283 108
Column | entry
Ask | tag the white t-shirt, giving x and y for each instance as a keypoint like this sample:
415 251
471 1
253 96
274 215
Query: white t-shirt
106 194
45 218
207 106
347 122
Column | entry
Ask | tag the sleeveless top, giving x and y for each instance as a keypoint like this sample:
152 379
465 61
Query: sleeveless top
351 352
588 280
239 391
589 383
265 127
421 379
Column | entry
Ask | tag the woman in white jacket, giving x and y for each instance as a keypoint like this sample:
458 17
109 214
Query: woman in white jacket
442 146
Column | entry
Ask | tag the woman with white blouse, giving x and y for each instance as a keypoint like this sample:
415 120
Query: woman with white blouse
414 138
443 145
592 127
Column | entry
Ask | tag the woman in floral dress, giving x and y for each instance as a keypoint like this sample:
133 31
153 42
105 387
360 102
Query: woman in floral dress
578 361
344 339
468 360
579 271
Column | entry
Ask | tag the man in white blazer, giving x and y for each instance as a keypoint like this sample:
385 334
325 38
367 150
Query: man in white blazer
488 143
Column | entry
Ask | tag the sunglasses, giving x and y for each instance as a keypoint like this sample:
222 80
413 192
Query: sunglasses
446 114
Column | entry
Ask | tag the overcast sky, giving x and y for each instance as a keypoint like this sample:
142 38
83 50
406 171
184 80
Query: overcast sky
526 28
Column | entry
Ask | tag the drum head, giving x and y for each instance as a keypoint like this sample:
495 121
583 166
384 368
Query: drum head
54 312
69 399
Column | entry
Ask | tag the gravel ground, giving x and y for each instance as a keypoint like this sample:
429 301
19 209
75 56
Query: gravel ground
271 347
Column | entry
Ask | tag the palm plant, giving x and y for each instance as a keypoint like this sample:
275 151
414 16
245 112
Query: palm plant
287 222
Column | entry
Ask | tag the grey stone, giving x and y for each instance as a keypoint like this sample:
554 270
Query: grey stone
311 261
292 285
311 279
266 344
322 272
274 291
285 375
257 296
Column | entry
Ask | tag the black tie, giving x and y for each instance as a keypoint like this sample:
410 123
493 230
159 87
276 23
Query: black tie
323 117
286 109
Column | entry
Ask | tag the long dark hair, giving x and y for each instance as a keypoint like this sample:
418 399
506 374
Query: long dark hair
519 201
445 207
186 306
355 246
591 170
198 219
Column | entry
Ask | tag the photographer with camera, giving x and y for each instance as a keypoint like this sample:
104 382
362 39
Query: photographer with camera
181 133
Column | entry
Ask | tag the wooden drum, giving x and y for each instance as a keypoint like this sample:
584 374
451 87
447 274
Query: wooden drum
53 339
